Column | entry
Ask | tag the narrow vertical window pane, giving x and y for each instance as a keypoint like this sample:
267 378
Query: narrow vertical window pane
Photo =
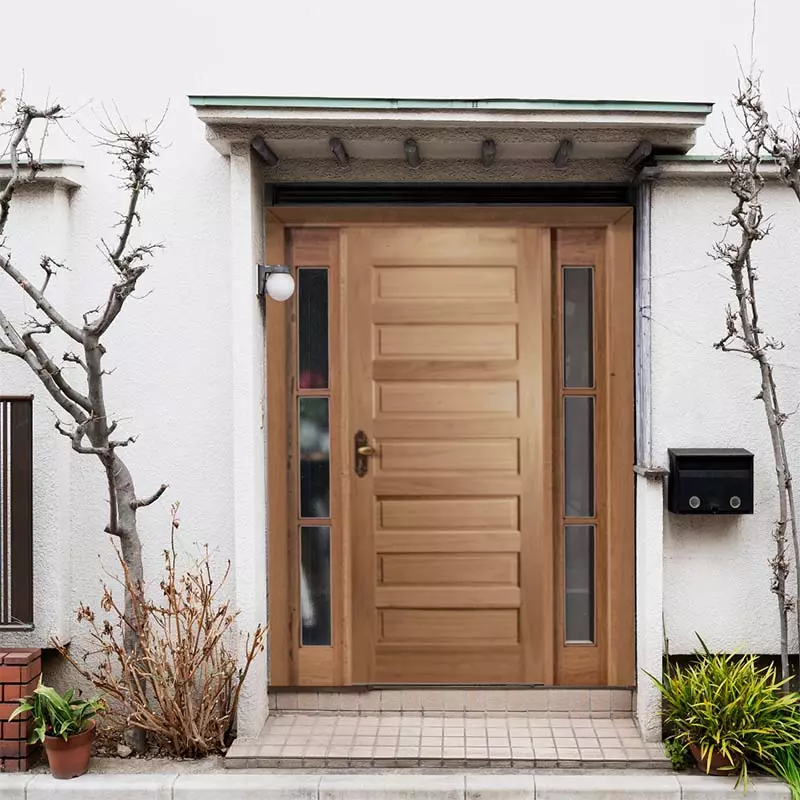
312 328
315 585
315 457
579 583
578 456
577 315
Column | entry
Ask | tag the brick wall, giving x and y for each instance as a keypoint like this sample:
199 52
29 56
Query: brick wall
19 676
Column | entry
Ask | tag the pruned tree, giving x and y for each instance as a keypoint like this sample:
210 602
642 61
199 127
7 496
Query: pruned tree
760 138
82 415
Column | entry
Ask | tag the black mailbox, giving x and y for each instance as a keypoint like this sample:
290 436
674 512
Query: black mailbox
710 481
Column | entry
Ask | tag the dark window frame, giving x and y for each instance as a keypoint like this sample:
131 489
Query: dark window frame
16 512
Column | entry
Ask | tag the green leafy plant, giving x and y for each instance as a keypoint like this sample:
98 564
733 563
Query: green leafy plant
786 766
55 714
725 704
678 753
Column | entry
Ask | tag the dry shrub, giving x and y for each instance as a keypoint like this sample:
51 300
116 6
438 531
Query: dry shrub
182 684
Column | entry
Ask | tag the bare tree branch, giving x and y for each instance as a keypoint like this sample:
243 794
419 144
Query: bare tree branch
39 299
25 116
147 501
744 331
89 432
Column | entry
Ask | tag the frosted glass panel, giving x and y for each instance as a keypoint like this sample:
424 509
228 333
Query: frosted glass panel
578 456
313 419
579 583
315 586
578 314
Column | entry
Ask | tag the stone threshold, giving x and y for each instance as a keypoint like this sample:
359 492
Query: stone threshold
354 786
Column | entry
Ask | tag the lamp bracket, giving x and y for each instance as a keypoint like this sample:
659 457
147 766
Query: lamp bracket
265 270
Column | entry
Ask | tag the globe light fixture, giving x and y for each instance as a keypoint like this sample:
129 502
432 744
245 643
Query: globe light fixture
275 281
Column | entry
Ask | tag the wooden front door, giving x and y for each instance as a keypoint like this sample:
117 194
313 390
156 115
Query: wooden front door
448 356
476 401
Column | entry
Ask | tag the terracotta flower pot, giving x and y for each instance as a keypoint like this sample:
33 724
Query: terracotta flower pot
70 758
720 764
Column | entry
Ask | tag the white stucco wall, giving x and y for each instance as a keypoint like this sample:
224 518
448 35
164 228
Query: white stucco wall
188 354
716 576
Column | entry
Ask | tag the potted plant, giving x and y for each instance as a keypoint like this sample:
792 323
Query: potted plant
727 713
66 726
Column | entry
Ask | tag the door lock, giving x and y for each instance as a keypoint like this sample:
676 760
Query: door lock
363 452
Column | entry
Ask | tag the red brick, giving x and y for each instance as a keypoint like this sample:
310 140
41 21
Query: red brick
21 657
13 748
19 764
16 730
7 709
12 675
12 692
32 671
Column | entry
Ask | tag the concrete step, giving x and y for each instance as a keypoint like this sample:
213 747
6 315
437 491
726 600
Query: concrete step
621 785
599 702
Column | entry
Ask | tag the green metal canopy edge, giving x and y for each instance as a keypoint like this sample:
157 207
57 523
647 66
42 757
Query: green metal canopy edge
376 104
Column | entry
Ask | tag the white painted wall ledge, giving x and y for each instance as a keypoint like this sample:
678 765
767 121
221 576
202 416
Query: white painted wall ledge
60 172
235 785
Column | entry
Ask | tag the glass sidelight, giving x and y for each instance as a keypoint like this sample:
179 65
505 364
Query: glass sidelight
578 456
315 585
313 448
312 328
579 584
578 318
314 435
578 406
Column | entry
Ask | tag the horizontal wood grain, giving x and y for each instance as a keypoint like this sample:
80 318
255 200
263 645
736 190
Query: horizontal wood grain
456 596
451 397
436 311
449 663
433 484
449 284
473 455
434 216
450 513
444 341
415 569
444 428
430 369
427 541
448 625
443 246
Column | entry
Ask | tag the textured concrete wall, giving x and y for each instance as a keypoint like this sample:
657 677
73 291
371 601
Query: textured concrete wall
716 575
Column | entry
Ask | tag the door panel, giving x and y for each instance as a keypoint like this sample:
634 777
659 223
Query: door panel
445 401
491 538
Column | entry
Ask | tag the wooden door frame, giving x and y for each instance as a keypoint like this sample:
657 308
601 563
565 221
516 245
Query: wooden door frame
616 621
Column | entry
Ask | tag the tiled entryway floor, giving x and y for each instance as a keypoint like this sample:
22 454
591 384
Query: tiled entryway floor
318 740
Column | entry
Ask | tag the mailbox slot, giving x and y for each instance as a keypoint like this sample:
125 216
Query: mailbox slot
710 481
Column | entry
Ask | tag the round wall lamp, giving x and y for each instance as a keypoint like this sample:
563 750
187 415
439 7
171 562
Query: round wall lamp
275 281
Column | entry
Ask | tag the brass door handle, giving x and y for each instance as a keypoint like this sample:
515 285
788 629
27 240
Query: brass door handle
363 450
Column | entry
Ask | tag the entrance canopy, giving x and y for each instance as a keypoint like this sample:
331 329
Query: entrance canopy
384 139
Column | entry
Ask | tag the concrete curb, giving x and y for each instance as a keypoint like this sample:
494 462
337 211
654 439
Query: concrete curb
241 785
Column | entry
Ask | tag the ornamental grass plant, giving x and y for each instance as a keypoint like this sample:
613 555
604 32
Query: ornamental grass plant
728 707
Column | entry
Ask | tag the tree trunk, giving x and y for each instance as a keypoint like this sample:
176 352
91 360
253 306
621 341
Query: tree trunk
123 495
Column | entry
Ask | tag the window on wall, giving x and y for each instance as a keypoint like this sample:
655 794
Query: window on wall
16 512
